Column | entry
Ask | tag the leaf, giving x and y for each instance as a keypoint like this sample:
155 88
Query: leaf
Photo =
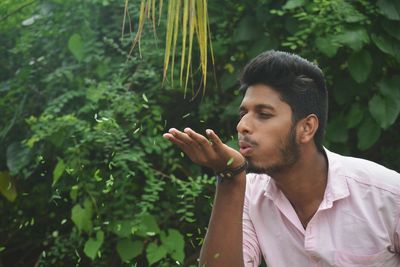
229 162
148 225
247 30
145 98
360 65
18 157
355 116
58 171
349 12
7 187
122 228
174 243
261 44
74 192
389 8
355 39
155 253
128 249
392 28
384 110
82 216
327 46
387 45
291 4
390 87
93 245
368 133
336 132
75 45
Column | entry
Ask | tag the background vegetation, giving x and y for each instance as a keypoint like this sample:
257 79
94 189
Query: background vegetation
85 176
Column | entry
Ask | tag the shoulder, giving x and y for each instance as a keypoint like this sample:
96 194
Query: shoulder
365 172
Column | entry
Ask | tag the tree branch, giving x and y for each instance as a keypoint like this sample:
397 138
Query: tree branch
16 11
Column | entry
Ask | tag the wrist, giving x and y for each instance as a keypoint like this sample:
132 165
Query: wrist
229 173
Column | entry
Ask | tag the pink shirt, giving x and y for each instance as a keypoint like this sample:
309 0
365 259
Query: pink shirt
356 224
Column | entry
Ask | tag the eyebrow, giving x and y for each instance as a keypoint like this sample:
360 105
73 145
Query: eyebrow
259 107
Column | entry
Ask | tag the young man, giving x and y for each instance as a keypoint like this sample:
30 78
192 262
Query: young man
300 204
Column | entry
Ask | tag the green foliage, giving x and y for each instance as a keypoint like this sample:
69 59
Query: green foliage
86 178
95 184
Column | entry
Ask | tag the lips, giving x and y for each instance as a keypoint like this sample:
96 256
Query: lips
245 148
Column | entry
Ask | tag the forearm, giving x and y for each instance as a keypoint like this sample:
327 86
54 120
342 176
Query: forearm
224 238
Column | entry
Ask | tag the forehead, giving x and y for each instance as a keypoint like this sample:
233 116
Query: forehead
263 95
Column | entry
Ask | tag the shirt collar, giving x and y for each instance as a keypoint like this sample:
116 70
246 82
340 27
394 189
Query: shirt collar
336 187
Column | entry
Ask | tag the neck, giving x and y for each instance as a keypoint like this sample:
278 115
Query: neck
305 182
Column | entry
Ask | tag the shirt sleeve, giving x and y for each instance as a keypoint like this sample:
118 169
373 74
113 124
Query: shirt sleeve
397 237
251 248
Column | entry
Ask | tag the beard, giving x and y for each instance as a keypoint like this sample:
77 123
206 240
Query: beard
289 154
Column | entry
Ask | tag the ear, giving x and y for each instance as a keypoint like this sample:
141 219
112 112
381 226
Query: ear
306 129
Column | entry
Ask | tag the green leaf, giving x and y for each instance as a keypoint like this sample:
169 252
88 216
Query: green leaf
350 13
389 8
291 4
58 171
174 243
145 98
76 46
7 187
368 133
148 225
122 228
155 253
335 130
355 39
18 157
128 249
360 65
74 192
392 28
229 162
261 44
387 45
390 87
327 46
355 116
247 30
384 110
82 216
93 245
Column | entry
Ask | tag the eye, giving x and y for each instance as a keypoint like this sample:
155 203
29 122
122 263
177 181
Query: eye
265 115
241 114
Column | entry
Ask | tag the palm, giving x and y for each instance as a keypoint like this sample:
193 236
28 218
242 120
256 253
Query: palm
209 152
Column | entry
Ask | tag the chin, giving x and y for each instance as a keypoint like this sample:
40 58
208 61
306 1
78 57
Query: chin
270 170
255 168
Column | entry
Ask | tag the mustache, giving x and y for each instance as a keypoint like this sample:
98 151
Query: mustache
247 140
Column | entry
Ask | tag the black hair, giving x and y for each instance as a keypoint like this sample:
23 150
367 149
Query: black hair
300 83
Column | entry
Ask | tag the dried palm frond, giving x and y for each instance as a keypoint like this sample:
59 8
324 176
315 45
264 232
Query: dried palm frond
187 17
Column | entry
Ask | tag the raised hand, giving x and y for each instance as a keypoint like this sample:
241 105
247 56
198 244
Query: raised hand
206 151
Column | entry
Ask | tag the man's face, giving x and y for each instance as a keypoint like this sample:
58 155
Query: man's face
267 136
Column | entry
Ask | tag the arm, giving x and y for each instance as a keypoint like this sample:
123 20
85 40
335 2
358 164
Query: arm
223 241
223 245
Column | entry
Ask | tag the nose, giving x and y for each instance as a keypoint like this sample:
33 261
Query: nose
244 125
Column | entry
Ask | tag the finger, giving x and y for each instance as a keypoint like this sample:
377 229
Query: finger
217 143
183 146
171 138
200 139
183 137
188 145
